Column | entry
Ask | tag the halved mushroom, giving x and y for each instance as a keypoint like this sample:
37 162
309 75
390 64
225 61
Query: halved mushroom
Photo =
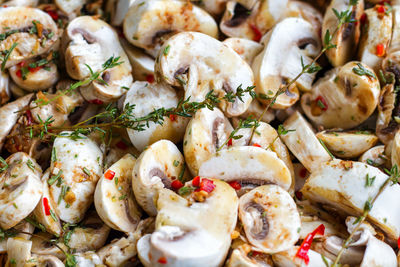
113 198
344 98
78 162
143 69
44 261
255 110
156 168
201 229
9 115
118 148
248 165
347 186
375 156
309 223
291 42
288 259
214 7
71 7
270 218
302 142
305 11
18 251
148 24
117 10
21 188
199 63
347 36
22 226
41 245
241 257
205 133
246 49
146 98
4 88
92 42
347 144
375 38
32 34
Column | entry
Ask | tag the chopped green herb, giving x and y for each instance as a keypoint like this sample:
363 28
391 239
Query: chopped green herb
122 197
166 50
326 149
53 215
361 70
185 190
176 163
30 165
53 154
369 180
54 178
7 55
3 164
86 171
15 205
62 194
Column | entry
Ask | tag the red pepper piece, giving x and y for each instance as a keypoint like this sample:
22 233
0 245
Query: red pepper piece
19 73
121 145
172 117
53 14
323 101
257 34
230 142
33 70
235 185
196 181
305 246
162 260
176 184
398 243
109 175
150 78
21 64
29 118
206 185
46 206
96 102
380 9
257 145
380 50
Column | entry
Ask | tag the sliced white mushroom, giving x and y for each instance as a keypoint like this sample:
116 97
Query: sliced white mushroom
148 24
344 98
348 144
27 3
395 153
92 42
23 226
146 98
156 168
71 7
395 42
21 189
9 115
88 259
288 258
78 161
118 148
347 186
199 64
117 10
18 251
240 257
17 30
247 165
378 253
289 42
375 38
201 229
347 36
113 198
375 156
305 11
205 133
302 142
41 245
247 49
214 7
270 218
5 92
44 261
255 110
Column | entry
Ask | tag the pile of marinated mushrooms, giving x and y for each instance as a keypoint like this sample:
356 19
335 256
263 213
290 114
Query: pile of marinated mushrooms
200 133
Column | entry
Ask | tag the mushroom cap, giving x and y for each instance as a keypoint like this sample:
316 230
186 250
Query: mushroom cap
148 97
378 253
341 184
80 161
247 49
270 218
348 98
23 191
28 44
155 168
247 164
71 7
90 41
143 69
348 144
114 200
378 31
286 44
206 131
147 24
347 37
208 65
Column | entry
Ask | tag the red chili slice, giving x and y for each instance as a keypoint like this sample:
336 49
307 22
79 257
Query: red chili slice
323 101
96 102
150 78
230 142
305 246
398 243
53 14
33 70
206 185
380 50
235 185
162 260
46 206
176 184
19 73
257 34
196 181
257 145
380 9
29 118
109 175
172 117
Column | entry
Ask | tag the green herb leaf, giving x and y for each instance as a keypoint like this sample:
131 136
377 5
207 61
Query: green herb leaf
361 70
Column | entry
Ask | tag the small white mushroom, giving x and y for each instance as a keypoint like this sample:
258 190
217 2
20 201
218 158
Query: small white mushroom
347 36
288 259
289 42
375 156
117 10
113 198
375 38
156 168
88 259
78 162
199 64
21 189
17 28
246 49
149 23
344 98
149 97
92 42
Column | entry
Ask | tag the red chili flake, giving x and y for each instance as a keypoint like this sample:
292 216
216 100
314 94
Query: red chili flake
206 185
256 145
230 142
21 64
235 185
19 73
109 175
305 246
380 9
29 117
96 102
121 145
196 181
150 78
298 195
303 173
176 184
380 50
255 253
162 260
172 117
257 34
46 206
53 14
35 69
321 102
398 243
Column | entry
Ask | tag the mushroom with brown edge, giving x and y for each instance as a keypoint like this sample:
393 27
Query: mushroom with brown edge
5 92
291 44
375 156
247 49
199 63
150 23
92 42
117 10
344 98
